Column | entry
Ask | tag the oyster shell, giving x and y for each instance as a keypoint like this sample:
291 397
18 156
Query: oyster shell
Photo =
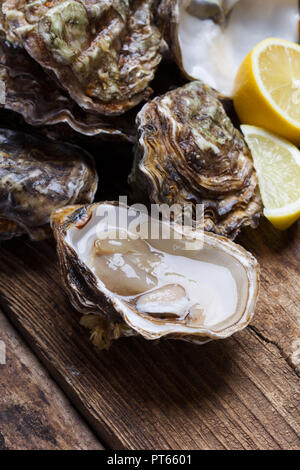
36 177
156 287
188 151
210 39
31 92
104 53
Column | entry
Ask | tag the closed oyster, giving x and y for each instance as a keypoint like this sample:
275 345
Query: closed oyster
209 39
36 177
188 151
194 287
31 92
104 53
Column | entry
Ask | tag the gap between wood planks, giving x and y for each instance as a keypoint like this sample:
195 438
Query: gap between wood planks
280 350
35 414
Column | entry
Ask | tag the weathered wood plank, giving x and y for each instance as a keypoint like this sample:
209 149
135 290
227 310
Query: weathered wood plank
34 413
277 318
241 393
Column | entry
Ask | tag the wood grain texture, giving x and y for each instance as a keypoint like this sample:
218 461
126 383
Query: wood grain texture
34 413
241 393
277 318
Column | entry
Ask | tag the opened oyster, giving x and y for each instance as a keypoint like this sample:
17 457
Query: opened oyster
210 38
196 287
104 53
31 92
36 177
188 152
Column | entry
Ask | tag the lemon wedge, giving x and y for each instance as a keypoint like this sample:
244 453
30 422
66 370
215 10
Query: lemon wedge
267 88
277 164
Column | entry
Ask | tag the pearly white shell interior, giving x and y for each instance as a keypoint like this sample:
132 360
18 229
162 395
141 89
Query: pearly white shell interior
214 275
213 52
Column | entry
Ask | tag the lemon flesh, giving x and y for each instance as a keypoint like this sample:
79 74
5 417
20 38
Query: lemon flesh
267 88
277 163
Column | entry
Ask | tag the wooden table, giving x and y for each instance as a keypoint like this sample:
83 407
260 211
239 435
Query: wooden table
56 391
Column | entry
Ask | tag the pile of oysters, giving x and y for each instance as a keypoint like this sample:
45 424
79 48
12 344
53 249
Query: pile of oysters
156 76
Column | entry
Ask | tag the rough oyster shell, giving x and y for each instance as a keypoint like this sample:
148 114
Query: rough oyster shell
188 151
116 303
38 176
31 92
104 53
210 39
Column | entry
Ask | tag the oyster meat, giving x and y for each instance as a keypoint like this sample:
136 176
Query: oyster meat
188 152
104 53
191 287
38 176
31 92
210 39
